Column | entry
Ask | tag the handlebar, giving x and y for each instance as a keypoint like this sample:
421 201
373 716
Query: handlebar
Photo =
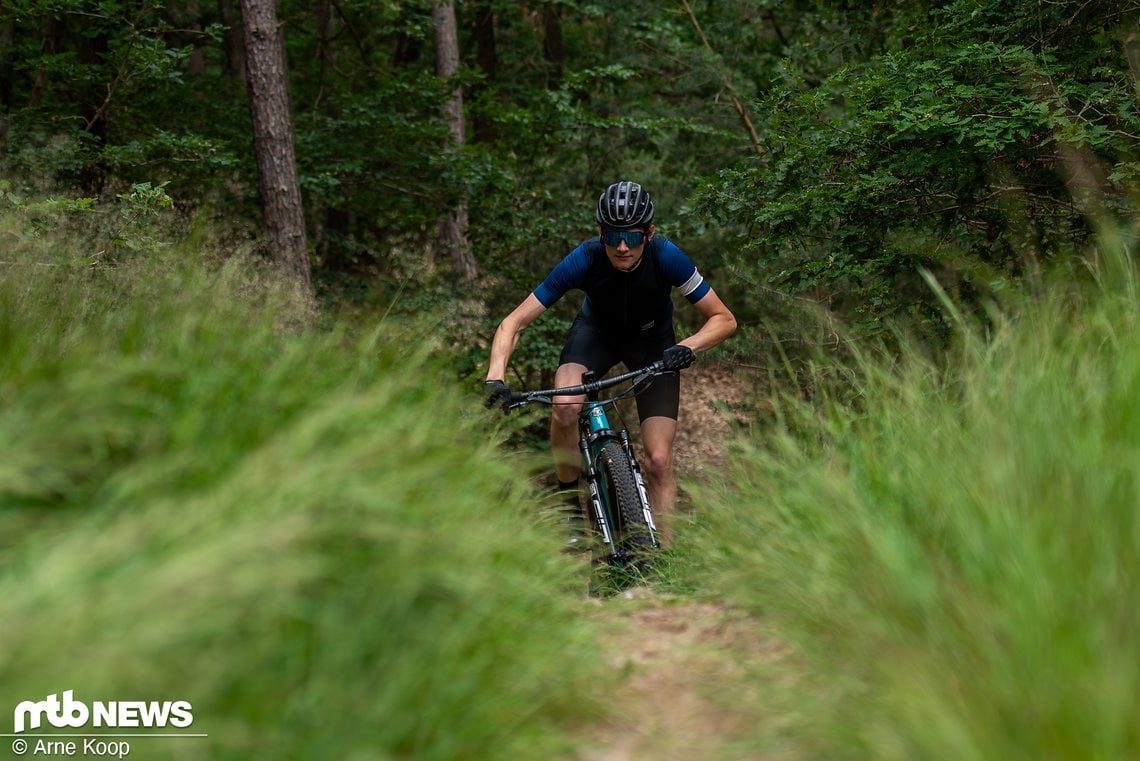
523 398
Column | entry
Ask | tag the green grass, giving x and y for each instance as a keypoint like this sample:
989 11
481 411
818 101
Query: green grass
311 535
303 532
954 556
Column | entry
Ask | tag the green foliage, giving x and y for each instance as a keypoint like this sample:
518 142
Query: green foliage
133 224
947 155
301 533
139 214
948 136
195 152
952 554
102 95
41 215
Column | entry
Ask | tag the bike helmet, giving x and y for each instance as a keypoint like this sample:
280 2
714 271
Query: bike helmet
624 205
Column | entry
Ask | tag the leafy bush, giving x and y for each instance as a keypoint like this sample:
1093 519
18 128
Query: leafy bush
956 146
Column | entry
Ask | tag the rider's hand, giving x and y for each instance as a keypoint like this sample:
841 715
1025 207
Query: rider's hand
677 357
497 394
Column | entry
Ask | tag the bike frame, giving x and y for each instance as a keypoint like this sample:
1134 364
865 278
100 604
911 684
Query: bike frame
594 432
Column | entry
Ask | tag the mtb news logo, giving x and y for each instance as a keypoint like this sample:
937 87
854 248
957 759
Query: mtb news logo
110 719
74 714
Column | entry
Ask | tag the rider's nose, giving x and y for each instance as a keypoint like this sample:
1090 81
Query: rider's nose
622 246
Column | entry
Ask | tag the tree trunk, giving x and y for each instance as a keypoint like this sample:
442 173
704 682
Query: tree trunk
1132 53
323 19
737 102
282 211
47 48
453 229
186 18
232 44
7 40
552 49
91 51
486 54
487 57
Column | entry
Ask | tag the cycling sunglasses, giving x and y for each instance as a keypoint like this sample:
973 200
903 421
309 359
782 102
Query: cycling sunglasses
632 238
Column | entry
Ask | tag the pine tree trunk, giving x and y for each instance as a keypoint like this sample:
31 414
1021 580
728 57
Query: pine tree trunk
282 211
453 229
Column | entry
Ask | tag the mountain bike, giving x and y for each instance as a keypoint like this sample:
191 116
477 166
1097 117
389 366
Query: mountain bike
619 508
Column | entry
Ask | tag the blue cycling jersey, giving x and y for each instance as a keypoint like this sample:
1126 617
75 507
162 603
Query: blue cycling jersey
625 302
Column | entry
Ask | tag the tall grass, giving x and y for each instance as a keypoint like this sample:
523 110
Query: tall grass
955 556
299 532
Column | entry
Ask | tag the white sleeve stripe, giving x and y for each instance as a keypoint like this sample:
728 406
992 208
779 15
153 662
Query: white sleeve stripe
692 284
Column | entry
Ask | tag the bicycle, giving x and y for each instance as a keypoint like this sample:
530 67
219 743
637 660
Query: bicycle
619 504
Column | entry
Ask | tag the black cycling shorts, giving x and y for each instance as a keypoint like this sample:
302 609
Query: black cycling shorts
599 350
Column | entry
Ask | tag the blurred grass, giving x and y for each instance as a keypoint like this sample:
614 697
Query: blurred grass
952 550
299 531
306 532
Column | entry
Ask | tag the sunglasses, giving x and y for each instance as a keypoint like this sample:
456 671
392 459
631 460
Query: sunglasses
632 238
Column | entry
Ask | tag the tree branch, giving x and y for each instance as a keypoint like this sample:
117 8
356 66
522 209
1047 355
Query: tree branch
737 103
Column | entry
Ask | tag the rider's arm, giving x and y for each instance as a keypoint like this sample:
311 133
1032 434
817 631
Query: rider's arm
719 323
507 336
566 275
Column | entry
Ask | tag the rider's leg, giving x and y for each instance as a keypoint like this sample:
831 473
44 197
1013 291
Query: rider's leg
657 434
564 424
585 347
567 457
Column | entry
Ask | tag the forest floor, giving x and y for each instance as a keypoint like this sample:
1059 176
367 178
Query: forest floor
686 693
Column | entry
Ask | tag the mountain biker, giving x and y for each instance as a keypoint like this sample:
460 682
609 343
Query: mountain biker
627 274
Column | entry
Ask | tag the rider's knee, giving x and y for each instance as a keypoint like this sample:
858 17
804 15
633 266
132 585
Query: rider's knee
566 415
659 465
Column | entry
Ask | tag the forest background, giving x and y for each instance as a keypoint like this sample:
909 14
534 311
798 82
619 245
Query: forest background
272 491
805 154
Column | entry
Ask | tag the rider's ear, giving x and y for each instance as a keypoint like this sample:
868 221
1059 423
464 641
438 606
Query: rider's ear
652 231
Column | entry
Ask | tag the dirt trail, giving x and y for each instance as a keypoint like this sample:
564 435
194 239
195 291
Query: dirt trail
682 698
683 658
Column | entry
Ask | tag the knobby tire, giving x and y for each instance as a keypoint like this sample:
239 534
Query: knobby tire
631 534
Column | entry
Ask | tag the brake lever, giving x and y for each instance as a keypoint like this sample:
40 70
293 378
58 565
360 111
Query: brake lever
645 375
524 400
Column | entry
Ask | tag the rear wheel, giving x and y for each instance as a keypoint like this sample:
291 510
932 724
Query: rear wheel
632 537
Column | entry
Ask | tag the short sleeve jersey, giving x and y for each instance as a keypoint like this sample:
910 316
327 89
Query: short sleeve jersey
626 303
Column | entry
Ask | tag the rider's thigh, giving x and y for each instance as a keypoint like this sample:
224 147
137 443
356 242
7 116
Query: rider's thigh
567 408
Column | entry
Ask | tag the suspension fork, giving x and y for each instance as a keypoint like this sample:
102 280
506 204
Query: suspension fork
642 493
591 420
592 480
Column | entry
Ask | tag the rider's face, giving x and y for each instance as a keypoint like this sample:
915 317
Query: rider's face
622 256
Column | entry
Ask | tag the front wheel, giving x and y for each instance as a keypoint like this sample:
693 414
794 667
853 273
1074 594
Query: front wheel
632 537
